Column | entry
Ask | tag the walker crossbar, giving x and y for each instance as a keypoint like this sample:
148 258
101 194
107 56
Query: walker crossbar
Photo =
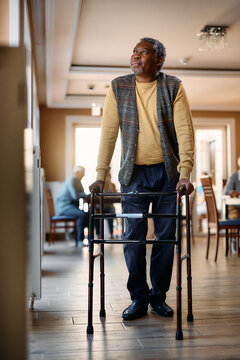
135 193
134 215
178 242
146 242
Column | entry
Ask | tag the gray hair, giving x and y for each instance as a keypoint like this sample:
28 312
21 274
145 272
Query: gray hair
77 169
159 48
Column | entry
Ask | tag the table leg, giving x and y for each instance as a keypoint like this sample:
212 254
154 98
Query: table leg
226 240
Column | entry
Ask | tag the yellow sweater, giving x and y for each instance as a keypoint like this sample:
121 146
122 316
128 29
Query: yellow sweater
149 149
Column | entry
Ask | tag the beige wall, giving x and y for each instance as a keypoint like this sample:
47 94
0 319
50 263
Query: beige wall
13 207
52 137
4 22
52 140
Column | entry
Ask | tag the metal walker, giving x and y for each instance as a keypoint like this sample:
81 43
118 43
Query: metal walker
178 242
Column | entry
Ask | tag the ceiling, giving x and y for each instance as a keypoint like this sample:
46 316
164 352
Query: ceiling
81 45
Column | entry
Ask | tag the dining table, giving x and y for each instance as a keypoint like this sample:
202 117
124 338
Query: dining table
227 201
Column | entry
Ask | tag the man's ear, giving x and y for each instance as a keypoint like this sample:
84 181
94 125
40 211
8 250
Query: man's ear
159 63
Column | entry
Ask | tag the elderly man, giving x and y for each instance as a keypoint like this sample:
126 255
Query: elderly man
152 112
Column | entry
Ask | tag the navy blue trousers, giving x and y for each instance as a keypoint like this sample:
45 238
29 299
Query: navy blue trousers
149 178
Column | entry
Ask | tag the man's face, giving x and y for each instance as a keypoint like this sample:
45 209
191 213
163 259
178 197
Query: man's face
144 61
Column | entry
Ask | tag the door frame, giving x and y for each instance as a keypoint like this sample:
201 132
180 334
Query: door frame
229 124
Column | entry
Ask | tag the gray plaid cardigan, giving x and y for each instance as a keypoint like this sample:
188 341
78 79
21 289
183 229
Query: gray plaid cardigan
125 93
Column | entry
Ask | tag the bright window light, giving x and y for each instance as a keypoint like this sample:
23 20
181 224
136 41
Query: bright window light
14 22
86 152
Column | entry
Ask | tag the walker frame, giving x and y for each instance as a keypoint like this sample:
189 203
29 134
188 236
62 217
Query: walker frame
178 242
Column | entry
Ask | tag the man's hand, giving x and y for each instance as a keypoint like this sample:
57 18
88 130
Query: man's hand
185 182
235 193
97 186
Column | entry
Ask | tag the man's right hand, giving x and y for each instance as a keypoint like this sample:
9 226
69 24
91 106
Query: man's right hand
97 186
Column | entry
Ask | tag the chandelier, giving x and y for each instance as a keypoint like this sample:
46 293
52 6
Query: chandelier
213 37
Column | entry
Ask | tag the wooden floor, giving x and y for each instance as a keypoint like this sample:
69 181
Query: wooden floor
59 320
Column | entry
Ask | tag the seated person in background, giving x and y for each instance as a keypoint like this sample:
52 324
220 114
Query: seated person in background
68 200
233 189
108 205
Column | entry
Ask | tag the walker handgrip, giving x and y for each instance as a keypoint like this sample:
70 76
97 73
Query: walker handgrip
95 190
182 189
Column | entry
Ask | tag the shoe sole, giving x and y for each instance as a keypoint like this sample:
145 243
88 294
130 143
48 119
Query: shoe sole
134 317
170 314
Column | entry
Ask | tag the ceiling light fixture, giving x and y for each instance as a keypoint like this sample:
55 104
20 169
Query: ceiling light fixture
213 37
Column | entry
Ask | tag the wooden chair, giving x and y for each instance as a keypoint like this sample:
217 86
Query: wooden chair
231 226
58 221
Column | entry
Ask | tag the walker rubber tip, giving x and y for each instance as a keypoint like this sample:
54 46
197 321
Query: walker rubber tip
190 318
102 313
90 329
179 335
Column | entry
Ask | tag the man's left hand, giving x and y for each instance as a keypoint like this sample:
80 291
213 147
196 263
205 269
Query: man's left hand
188 185
235 193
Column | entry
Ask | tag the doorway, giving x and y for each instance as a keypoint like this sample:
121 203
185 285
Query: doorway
211 158
214 156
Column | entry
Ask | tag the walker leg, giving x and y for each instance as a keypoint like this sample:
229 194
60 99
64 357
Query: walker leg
102 274
91 269
189 291
75 233
179 333
90 290
102 312
189 270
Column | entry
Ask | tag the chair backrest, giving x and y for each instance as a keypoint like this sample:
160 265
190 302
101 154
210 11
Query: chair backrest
212 213
49 198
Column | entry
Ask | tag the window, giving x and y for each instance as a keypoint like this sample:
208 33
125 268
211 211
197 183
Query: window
86 153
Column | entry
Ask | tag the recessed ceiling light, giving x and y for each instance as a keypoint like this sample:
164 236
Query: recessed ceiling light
184 60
